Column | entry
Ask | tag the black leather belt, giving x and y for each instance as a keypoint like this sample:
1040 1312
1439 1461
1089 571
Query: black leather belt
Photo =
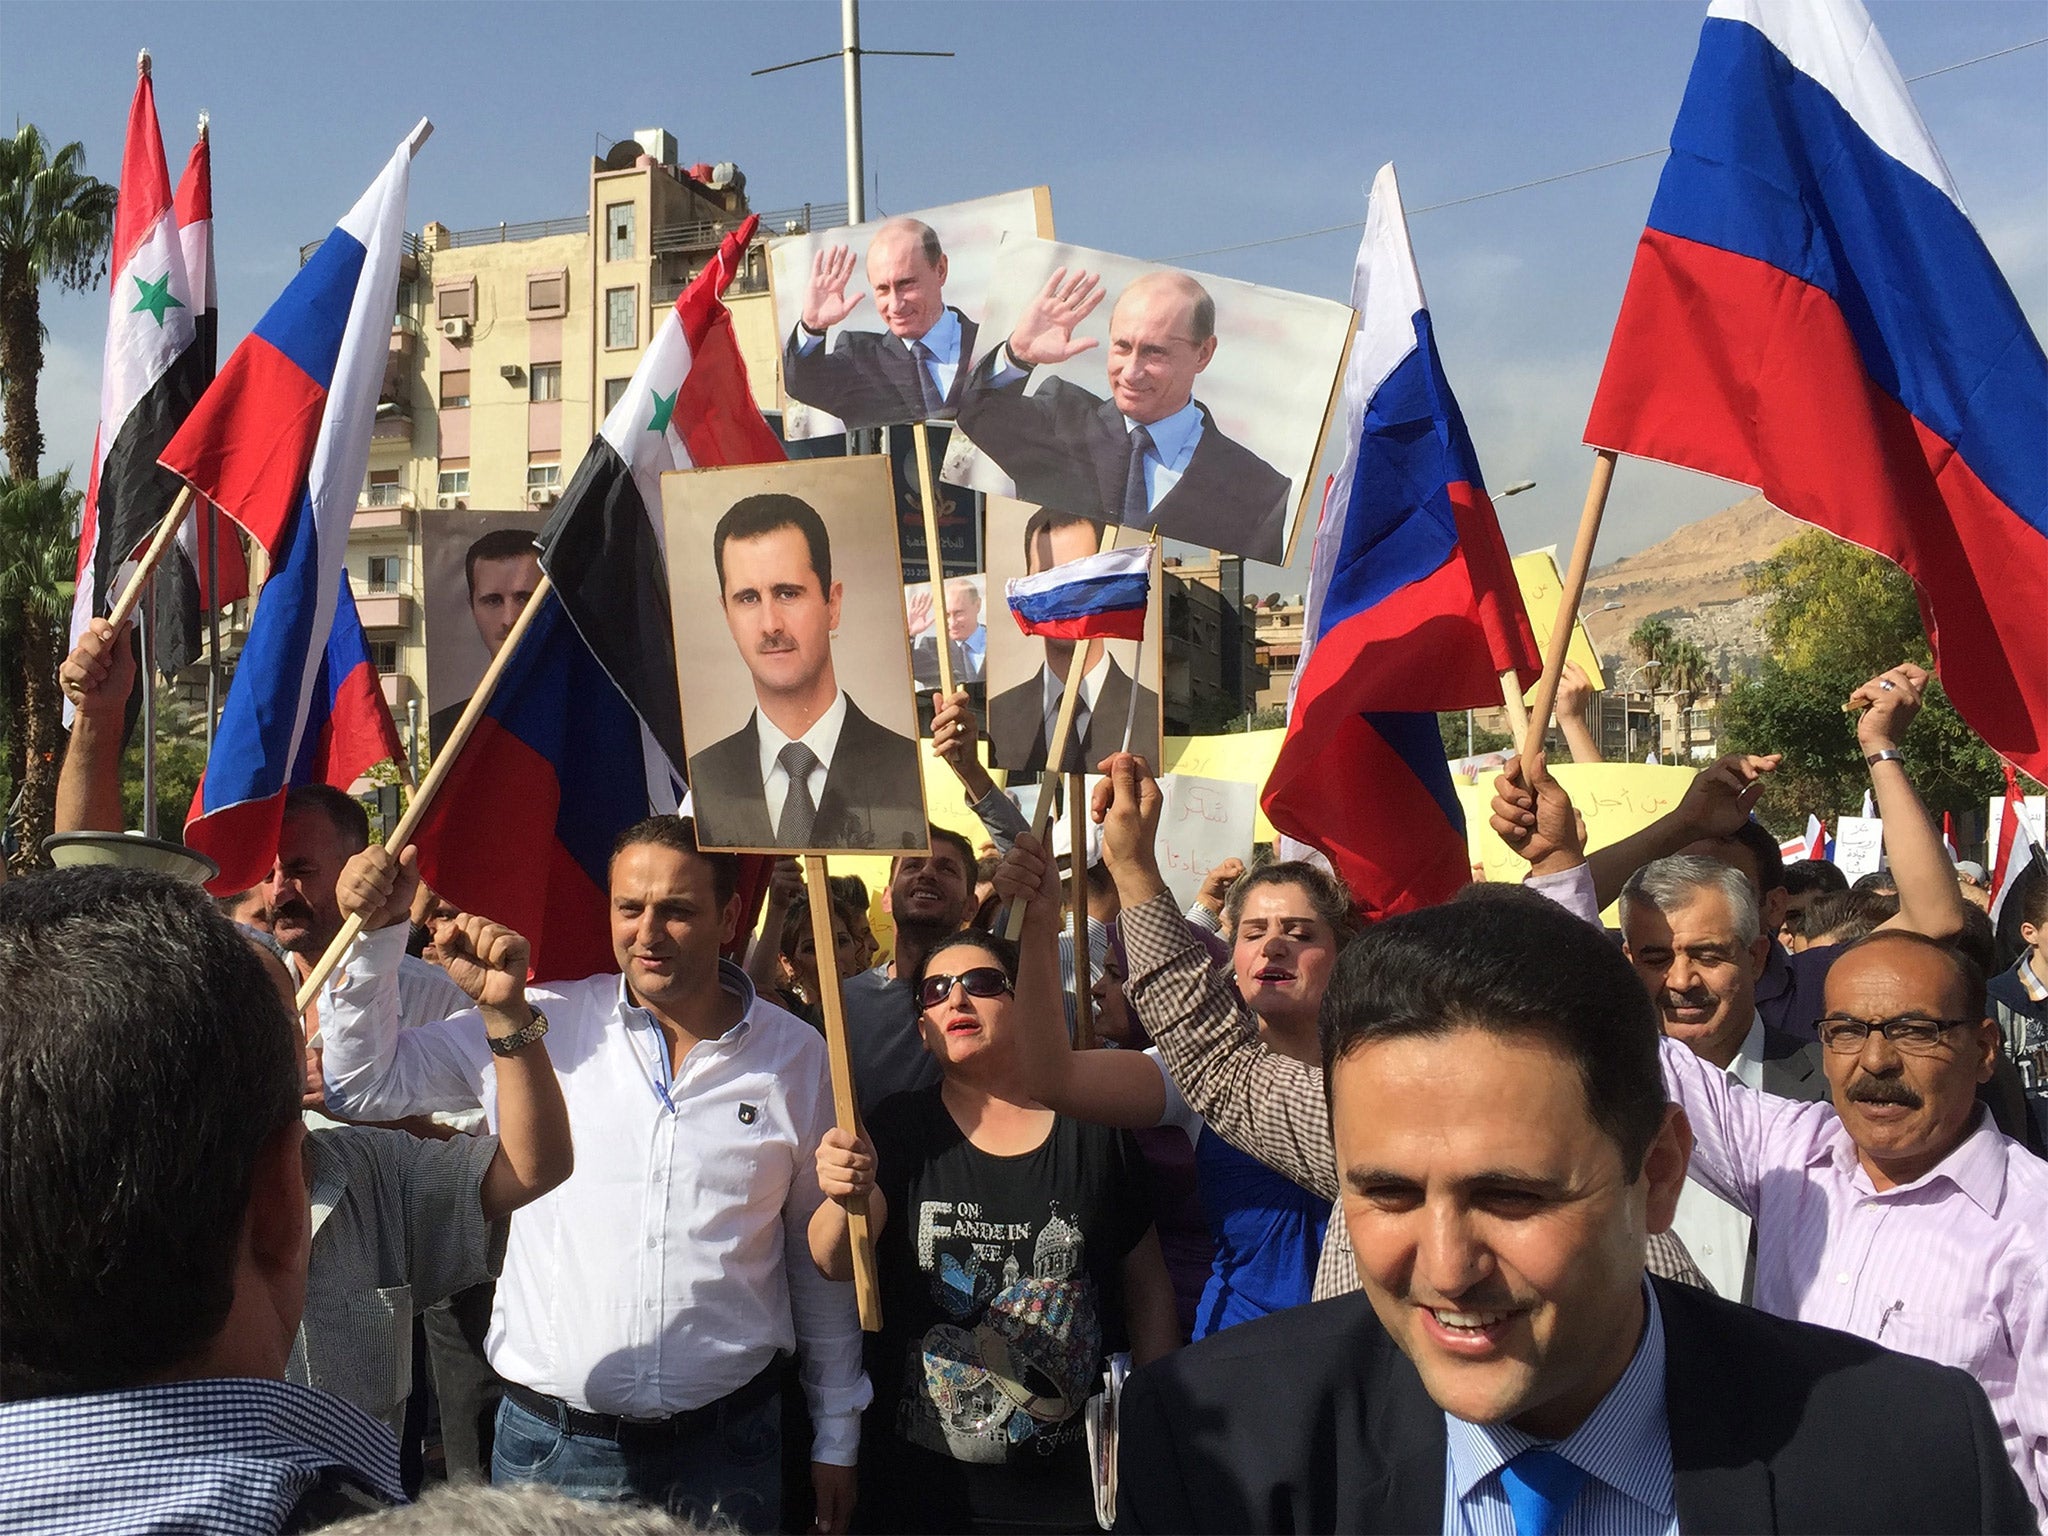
624 1431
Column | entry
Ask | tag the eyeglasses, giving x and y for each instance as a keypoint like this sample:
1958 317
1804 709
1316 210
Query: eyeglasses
982 981
1914 1034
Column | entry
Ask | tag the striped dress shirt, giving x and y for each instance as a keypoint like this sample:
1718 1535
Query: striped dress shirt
1952 1267
1261 1102
1624 1447
233 1457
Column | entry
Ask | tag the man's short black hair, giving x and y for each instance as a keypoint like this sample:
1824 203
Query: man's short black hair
1507 961
1969 974
1803 875
1045 520
958 844
498 544
680 834
754 516
145 1061
1763 848
344 812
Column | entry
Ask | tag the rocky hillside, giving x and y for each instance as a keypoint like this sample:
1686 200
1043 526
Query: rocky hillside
1695 580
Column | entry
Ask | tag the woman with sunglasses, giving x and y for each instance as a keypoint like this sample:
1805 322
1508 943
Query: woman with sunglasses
1016 1253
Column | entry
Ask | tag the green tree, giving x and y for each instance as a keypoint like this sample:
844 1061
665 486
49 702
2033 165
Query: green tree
1839 615
180 760
56 223
38 550
1451 726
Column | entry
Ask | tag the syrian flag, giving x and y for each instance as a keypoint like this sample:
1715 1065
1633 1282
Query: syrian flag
687 405
2016 848
151 373
195 234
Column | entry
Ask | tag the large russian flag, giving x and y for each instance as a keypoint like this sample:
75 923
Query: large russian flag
1098 597
1811 312
523 828
687 404
280 443
1412 605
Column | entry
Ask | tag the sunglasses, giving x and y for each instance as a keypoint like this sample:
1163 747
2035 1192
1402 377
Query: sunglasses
982 981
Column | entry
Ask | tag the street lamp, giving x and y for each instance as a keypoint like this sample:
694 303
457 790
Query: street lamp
1517 488
1628 688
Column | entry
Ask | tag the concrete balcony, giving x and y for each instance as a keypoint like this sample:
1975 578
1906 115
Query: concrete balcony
383 509
385 610
399 689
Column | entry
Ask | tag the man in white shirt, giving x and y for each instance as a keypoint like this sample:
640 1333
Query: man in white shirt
1693 932
808 770
646 1305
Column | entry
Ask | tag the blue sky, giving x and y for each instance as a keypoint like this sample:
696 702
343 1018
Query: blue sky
1163 129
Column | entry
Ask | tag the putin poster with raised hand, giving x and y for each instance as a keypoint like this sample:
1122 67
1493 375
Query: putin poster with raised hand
878 322
1147 396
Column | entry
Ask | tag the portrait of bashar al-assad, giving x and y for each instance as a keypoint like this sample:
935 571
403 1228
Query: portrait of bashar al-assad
500 571
1149 397
809 770
1118 709
878 323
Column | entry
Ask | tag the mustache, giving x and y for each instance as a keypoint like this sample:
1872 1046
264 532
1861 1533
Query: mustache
1882 1090
775 645
1672 999
291 908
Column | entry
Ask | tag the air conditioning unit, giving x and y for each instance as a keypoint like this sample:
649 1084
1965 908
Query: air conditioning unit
541 495
446 503
511 373
455 330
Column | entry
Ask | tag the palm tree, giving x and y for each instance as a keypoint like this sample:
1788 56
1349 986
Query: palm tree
56 222
38 550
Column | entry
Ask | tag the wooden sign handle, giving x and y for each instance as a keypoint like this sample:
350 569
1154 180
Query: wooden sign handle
867 1290
1077 899
934 567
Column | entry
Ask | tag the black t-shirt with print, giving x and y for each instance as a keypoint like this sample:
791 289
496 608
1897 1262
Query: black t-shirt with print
1002 1298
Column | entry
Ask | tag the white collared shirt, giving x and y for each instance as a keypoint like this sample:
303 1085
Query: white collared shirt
1714 1232
1173 445
1052 686
674 1263
822 738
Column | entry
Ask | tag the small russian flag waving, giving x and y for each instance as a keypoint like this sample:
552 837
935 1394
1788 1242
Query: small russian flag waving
1098 597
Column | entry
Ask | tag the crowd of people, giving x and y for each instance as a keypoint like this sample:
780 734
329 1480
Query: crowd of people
1483 1218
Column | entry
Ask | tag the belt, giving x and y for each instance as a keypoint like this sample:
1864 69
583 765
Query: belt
627 1431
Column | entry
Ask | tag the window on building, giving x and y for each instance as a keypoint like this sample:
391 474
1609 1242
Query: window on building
454 389
544 474
386 573
383 489
408 299
384 656
621 317
453 481
455 302
547 293
614 392
544 381
618 232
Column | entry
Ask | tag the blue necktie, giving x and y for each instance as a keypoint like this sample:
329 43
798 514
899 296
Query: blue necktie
1540 1485
927 386
1137 500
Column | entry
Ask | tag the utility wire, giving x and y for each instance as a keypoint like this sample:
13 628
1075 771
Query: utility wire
1544 181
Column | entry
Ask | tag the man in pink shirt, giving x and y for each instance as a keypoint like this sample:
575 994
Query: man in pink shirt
1899 1212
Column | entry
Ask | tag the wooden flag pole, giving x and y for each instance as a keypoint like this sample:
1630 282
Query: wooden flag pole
1077 898
1531 736
866 1285
167 530
1055 754
1511 697
423 797
934 567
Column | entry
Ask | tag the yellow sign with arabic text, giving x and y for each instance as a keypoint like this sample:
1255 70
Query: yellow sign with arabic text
1542 590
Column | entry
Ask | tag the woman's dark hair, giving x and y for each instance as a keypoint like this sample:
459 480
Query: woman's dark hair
146 1060
1004 951
798 923
1508 962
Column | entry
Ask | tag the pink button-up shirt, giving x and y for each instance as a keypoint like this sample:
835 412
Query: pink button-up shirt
1952 1267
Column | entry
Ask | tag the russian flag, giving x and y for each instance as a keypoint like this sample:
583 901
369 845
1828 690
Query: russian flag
1098 597
1412 605
280 443
523 827
1811 312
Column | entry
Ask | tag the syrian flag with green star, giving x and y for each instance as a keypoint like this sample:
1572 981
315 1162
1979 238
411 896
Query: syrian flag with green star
153 370
687 406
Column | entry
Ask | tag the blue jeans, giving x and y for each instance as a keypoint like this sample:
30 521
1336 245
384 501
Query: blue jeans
729 1468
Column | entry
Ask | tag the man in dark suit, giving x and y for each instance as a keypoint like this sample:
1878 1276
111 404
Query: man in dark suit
500 571
808 769
914 371
1508 1366
1151 455
1021 717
